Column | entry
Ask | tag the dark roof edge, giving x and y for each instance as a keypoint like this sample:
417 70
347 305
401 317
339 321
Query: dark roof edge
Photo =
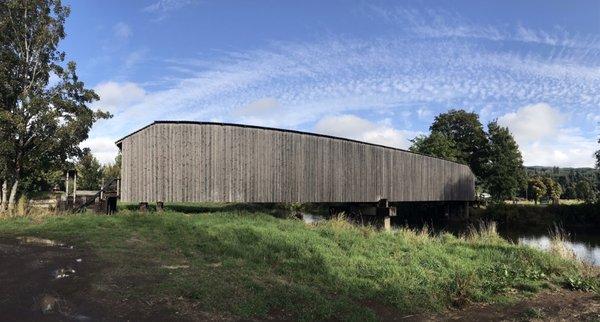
118 142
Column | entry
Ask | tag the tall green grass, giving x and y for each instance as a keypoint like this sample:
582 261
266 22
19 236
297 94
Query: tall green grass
248 265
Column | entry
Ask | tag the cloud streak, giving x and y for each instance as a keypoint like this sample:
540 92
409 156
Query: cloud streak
389 77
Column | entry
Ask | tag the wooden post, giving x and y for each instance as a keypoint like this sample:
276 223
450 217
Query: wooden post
67 187
74 188
102 189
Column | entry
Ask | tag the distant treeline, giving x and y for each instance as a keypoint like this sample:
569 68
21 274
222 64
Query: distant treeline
568 178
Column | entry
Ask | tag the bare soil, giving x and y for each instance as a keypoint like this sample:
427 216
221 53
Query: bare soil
51 281
559 305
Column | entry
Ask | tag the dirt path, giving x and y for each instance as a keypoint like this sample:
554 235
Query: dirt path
548 306
45 280
560 305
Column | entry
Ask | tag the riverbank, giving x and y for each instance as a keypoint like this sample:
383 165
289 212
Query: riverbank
240 264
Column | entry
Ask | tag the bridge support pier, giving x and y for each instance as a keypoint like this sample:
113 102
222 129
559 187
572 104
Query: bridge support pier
377 215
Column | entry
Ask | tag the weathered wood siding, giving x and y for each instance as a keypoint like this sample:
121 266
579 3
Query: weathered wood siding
193 162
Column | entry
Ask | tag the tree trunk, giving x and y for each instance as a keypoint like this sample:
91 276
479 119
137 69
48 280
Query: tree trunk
4 196
13 195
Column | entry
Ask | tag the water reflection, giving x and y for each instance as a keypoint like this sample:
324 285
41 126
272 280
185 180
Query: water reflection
310 219
583 251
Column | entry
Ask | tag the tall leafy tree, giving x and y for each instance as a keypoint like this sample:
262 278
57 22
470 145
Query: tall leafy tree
42 123
585 191
536 188
89 171
504 174
436 144
553 189
466 131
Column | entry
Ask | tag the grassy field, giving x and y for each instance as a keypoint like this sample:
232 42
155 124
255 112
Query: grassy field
235 263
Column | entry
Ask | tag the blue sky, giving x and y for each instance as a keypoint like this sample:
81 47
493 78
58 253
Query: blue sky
370 70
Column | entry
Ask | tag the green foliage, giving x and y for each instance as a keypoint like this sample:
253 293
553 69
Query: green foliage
536 188
585 191
567 178
250 264
504 174
553 188
437 145
89 173
581 283
597 155
113 170
466 131
41 124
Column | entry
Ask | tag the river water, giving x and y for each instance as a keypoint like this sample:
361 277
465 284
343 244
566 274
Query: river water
584 244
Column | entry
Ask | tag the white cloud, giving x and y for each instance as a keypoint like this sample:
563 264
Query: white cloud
437 23
103 148
168 5
544 139
424 113
392 75
533 122
134 57
259 107
354 127
117 97
122 31
338 77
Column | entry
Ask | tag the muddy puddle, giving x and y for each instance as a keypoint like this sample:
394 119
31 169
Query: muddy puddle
42 279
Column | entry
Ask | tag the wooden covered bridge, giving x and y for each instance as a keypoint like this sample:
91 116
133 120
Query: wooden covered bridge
181 161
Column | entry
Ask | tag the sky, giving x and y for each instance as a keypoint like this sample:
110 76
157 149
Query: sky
376 71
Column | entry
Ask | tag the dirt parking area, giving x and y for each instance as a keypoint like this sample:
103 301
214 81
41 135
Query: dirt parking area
42 279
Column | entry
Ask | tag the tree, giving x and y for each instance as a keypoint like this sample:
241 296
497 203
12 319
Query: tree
536 188
42 124
570 192
584 191
504 173
553 189
466 131
436 144
112 171
89 172
597 155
